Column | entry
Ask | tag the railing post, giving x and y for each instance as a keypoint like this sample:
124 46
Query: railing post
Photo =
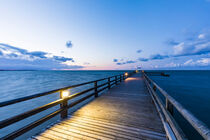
169 107
63 106
109 85
154 88
115 80
120 78
96 89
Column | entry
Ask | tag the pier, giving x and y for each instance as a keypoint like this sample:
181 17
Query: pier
128 108
124 112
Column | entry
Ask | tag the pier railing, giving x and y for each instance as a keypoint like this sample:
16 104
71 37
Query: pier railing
166 113
63 101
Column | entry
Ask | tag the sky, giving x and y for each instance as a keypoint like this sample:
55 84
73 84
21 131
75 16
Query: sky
104 34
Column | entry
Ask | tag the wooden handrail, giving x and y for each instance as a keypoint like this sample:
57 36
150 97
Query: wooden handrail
63 104
171 103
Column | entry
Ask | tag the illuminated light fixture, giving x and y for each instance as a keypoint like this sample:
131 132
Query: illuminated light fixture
126 74
65 93
137 71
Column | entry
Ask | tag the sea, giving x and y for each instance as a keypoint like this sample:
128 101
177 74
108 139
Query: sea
190 88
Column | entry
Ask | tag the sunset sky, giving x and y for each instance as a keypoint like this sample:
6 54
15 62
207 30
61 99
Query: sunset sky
104 34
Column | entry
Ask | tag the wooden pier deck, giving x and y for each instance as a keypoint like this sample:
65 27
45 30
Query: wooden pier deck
124 112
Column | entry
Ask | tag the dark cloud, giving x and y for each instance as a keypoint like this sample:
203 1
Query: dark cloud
69 44
143 59
62 59
139 51
120 63
115 60
126 62
38 54
129 62
158 56
154 57
17 58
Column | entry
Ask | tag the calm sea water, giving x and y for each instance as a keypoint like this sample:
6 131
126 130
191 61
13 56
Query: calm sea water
190 88
16 84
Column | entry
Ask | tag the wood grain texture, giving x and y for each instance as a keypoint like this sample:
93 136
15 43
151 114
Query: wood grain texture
124 112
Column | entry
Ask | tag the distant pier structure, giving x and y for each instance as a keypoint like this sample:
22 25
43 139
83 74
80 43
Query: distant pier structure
124 106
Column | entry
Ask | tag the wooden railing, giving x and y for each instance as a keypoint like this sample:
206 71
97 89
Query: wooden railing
166 113
63 101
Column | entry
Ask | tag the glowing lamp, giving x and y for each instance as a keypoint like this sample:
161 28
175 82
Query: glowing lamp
65 94
126 74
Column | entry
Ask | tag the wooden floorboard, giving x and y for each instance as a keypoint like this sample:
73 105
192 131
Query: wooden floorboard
124 112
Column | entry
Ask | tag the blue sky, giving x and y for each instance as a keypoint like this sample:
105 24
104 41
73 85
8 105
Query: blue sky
104 34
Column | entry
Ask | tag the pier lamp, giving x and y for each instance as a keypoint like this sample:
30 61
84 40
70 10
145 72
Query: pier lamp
126 74
65 93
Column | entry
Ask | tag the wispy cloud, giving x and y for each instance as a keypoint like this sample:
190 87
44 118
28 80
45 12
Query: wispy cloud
16 58
171 42
86 63
199 62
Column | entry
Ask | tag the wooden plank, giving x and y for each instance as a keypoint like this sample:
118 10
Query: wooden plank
124 112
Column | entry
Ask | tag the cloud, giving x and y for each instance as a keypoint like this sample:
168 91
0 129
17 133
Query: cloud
120 63
86 63
130 61
115 60
139 51
154 57
143 59
126 62
171 42
201 36
199 62
17 58
191 48
38 54
62 59
158 56
199 45
69 44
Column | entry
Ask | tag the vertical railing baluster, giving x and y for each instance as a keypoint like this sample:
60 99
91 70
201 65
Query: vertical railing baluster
120 78
63 106
109 85
96 89
115 80
169 107
154 88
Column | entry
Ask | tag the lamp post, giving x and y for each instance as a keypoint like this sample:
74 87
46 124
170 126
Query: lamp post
63 95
